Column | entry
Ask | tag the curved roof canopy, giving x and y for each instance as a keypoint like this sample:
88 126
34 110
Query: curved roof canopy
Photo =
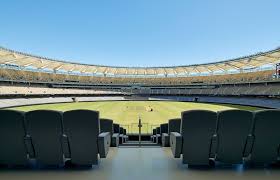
23 60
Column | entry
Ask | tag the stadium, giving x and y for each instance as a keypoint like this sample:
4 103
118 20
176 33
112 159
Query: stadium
65 119
248 81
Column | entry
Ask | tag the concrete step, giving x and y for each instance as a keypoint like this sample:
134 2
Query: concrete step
136 143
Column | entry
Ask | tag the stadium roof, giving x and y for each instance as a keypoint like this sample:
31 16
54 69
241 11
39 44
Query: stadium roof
24 60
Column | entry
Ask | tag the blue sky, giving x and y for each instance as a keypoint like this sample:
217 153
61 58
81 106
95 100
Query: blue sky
140 33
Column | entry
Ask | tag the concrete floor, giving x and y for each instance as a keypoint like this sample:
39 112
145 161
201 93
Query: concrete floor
146 163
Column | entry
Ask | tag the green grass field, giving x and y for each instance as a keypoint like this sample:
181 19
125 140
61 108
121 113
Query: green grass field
126 113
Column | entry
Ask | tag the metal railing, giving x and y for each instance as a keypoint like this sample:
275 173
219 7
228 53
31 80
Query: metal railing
133 128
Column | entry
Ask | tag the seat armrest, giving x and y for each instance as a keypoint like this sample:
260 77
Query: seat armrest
104 141
29 146
165 140
115 140
249 145
65 146
176 143
214 146
125 138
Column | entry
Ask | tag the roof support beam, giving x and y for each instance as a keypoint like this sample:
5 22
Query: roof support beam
233 66
25 65
58 67
10 61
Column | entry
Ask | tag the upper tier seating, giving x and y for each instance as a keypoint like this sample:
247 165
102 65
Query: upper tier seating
21 75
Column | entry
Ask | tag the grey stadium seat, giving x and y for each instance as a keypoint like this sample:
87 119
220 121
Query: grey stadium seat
233 130
194 142
106 125
158 136
82 127
117 130
46 130
122 137
163 131
266 132
173 126
116 135
13 147
125 136
153 136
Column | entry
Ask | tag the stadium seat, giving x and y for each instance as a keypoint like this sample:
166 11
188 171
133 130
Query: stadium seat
125 135
106 125
158 136
122 135
197 130
233 130
117 130
163 131
153 136
85 139
14 141
173 126
116 135
46 130
266 133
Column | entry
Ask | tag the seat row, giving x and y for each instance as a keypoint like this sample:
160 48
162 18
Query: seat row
118 133
161 134
53 137
229 137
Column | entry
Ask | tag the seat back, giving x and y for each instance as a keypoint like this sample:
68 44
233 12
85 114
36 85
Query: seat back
154 131
82 128
116 128
197 129
233 130
174 125
164 128
12 134
121 130
46 130
266 131
158 130
106 125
